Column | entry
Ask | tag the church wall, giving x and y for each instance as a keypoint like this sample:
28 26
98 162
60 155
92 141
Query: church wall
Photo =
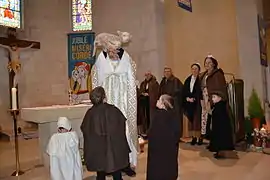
44 79
249 51
144 20
5 119
210 28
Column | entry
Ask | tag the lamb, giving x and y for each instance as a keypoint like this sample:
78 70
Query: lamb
107 41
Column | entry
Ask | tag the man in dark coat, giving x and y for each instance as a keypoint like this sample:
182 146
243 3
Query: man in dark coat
172 86
149 94
106 148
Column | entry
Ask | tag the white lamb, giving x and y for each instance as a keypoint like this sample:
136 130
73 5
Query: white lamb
107 41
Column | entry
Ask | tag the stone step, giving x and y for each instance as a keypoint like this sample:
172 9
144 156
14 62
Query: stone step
10 135
28 131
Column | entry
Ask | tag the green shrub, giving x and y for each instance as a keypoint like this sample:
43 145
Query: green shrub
254 106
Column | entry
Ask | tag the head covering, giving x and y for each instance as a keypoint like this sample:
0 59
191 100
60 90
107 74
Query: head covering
63 122
213 59
196 64
210 55
220 94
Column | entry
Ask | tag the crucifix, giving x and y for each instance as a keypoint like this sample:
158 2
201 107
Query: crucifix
15 47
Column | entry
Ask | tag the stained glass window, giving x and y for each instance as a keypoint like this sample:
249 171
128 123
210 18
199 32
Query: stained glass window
10 13
81 15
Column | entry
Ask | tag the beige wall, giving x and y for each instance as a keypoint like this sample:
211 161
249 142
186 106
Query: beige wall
211 27
249 51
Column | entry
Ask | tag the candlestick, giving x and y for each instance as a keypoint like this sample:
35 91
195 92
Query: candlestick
14 99
17 172
70 100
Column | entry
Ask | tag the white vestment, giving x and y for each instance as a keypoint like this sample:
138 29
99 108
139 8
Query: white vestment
65 158
118 80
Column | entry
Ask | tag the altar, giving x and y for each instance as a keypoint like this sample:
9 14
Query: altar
46 118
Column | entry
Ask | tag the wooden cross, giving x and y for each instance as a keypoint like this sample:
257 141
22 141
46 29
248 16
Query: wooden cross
10 40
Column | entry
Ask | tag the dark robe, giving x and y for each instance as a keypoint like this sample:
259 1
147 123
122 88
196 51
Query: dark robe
221 137
105 145
139 122
174 87
163 145
147 103
193 110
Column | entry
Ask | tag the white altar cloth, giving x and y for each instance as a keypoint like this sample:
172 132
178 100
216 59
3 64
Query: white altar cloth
46 118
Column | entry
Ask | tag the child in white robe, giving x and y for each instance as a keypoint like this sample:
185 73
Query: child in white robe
63 149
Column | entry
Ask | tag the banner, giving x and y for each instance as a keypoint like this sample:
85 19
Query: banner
185 4
262 41
80 61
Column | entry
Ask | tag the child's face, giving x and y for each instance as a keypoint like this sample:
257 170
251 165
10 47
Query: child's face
62 130
216 98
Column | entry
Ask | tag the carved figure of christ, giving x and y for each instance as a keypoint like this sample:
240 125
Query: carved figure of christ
15 47
14 53
14 56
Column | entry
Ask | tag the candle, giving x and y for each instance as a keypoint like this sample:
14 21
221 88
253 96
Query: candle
14 99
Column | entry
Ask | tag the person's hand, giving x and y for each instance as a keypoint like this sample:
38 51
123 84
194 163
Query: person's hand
203 109
146 94
191 100
208 108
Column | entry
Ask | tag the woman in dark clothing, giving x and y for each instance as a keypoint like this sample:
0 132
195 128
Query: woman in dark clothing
192 94
213 79
163 142
221 133
106 148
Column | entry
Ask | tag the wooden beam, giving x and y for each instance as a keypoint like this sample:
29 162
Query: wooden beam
20 43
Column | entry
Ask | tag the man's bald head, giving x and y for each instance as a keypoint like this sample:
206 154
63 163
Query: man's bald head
148 75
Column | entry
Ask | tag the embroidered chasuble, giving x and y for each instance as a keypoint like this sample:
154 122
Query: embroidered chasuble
117 77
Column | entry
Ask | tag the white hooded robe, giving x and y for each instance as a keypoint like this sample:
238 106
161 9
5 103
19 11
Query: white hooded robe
65 158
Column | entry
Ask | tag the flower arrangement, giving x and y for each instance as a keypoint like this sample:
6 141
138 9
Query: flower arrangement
262 135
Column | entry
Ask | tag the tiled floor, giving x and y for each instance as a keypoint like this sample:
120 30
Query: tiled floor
195 164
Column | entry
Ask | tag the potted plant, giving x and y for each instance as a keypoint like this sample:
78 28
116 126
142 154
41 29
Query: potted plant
255 110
